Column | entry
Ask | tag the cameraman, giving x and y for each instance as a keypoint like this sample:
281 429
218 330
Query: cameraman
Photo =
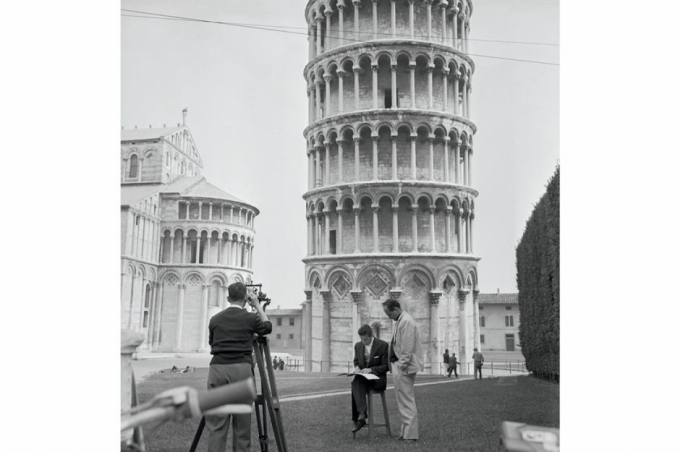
231 341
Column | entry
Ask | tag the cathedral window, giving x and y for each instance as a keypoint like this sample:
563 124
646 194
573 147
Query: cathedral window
134 163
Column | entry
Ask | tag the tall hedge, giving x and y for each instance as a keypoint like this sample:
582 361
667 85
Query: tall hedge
538 282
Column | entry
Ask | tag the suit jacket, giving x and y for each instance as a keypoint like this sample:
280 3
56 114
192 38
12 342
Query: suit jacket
406 343
378 361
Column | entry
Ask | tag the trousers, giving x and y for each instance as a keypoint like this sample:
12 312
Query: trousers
478 368
360 387
406 402
218 426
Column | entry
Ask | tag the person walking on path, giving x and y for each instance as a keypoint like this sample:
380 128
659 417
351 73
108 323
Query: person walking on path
404 356
231 333
479 361
446 359
452 365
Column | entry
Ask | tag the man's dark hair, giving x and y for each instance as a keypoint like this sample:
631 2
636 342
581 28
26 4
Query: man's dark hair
366 330
390 304
237 291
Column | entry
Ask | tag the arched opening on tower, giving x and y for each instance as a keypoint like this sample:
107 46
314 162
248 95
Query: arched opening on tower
405 225
423 223
385 153
385 225
365 225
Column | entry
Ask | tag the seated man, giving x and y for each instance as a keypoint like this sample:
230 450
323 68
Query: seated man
370 357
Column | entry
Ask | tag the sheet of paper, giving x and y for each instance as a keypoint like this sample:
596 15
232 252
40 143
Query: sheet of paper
366 376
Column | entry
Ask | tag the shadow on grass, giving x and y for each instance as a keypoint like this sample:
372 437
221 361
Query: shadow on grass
460 416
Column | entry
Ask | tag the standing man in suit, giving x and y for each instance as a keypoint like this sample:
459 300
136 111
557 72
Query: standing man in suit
370 357
231 344
446 359
479 362
405 361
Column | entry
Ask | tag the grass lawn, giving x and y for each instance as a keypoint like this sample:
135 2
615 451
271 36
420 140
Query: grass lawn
462 415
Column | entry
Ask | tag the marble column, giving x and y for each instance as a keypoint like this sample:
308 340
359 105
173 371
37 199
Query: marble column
412 70
341 24
414 226
341 90
357 163
395 229
394 157
374 70
430 142
414 165
327 164
447 175
203 328
448 229
318 35
433 247
327 232
180 319
341 157
411 20
456 78
393 68
430 97
445 85
462 332
338 246
375 156
375 19
435 354
356 70
357 210
376 237
393 17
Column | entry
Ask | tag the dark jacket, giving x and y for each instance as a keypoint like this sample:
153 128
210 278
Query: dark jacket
231 335
378 361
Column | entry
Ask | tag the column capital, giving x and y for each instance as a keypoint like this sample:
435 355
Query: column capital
308 295
317 82
356 295
447 139
414 210
393 67
182 286
475 294
318 19
356 140
462 294
356 210
328 12
326 212
430 68
374 67
449 210
432 209
340 142
375 138
456 75
394 138
340 73
395 293
429 2
326 294
444 3
411 2
413 137
356 69
375 209
395 209
356 3
340 6
412 65
327 145
435 295
327 78
455 10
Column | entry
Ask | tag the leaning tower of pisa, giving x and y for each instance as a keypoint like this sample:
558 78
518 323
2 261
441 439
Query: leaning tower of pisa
390 202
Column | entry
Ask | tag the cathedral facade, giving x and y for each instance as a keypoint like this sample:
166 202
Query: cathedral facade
183 240
390 203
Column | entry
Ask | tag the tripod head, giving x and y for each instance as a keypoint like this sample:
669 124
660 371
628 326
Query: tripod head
256 289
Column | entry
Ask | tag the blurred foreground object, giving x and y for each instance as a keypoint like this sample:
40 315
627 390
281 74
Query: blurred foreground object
517 437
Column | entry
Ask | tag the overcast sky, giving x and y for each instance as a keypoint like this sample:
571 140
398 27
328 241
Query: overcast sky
248 107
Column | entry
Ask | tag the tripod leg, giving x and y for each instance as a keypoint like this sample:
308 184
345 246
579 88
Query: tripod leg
269 391
260 402
197 436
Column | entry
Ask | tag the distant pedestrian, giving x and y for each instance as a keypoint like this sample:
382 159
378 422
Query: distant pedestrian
479 361
281 364
452 365
275 363
446 358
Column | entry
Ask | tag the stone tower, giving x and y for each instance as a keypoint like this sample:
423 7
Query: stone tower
390 203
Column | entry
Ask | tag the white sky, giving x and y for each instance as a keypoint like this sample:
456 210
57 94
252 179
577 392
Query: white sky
248 107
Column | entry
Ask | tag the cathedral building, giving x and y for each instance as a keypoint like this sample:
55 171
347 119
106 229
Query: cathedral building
390 203
183 240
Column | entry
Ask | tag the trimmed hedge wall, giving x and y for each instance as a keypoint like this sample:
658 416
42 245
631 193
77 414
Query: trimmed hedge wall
538 282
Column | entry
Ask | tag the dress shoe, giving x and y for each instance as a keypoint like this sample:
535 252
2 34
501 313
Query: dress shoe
358 425
410 441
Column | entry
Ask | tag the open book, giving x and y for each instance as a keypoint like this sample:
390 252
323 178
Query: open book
366 376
